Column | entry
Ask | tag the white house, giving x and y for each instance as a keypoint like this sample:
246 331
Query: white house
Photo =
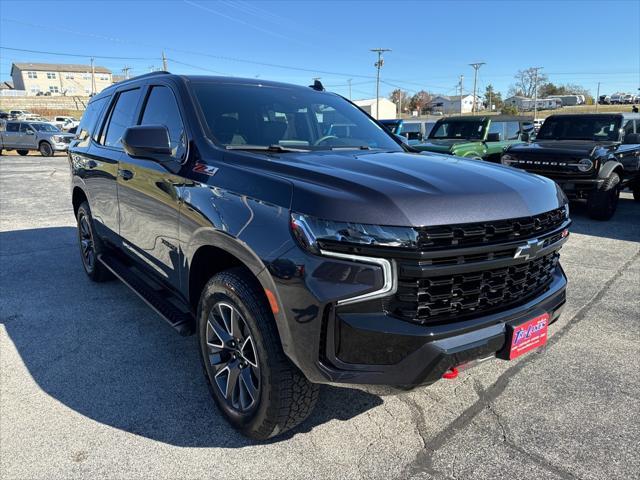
387 108
454 104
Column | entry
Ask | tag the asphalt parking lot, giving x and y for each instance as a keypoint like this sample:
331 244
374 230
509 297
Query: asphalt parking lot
95 385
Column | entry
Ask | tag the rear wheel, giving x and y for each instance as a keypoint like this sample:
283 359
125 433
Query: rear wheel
90 246
22 152
259 390
46 150
602 203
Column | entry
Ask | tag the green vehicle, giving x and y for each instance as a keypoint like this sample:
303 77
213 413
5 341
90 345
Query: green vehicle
481 137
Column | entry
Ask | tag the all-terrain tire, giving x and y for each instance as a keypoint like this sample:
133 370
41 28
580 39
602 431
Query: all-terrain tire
285 396
22 153
87 238
602 203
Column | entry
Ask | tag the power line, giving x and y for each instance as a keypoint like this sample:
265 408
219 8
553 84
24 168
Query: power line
74 54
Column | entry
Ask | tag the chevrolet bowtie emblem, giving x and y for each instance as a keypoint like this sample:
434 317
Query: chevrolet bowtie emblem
529 250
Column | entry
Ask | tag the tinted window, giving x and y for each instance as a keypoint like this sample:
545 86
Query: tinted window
24 127
239 115
90 117
458 129
628 127
513 131
411 127
497 127
13 127
583 127
44 127
161 109
121 117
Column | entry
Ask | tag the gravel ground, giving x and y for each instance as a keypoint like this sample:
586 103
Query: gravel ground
95 384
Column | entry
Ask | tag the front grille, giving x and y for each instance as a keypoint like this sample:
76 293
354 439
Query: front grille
487 233
447 297
561 165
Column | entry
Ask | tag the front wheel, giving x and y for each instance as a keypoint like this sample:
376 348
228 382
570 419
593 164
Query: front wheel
22 153
90 246
602 203
46 150
257 388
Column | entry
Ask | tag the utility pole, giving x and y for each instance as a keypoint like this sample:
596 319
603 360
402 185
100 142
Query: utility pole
399 103
597 97
379 65
93 78
490 104
476 67
125 72
535 92
164 63
349 82
461 88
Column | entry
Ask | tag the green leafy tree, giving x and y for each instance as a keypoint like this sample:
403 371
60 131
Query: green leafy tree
508 109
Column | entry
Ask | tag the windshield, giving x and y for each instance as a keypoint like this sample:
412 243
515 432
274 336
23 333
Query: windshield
44 127
411 127
458 130
245 116
580 128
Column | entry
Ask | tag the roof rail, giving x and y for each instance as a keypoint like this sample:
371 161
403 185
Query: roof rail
144 75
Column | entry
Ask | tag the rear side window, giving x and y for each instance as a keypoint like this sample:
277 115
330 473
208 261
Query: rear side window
513 130
497 127
121 117
628 127
13 127
90 117
162 109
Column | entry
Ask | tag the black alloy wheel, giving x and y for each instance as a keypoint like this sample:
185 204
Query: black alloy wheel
87 245
233 358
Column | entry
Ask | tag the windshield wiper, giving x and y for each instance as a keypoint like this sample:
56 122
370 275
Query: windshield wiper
266 148
353 147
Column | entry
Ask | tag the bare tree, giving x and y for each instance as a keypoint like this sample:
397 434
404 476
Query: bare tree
420 100
400 95
526 82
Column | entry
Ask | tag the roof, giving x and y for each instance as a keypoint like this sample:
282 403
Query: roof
453 98
493 118
58 67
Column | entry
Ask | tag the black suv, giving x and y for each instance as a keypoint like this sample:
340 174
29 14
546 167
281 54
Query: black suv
591 157
302 253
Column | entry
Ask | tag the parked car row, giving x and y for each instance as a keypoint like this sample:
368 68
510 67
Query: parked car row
63 122
618 98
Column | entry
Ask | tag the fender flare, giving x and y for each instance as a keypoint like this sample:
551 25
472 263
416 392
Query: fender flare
608 167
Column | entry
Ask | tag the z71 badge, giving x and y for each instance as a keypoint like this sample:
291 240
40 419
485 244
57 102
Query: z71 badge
205 169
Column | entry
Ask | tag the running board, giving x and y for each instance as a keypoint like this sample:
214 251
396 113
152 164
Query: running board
181 321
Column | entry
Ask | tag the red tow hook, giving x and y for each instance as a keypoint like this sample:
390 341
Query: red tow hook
451 373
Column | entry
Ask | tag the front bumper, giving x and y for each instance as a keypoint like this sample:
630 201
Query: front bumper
402 354
578 188
60 147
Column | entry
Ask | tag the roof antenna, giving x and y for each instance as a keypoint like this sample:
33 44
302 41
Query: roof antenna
317 85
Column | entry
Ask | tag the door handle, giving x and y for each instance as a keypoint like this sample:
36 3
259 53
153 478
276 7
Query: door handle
125 174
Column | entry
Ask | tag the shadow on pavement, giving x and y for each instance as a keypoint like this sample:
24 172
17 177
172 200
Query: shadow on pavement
102 352
625 224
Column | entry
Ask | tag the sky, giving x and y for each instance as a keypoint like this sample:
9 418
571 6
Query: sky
431 42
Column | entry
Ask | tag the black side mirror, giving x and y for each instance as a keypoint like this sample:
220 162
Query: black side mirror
30 132
524 136
493 137
632 138
147 141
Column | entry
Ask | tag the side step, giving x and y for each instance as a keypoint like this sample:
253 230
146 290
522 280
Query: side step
181 321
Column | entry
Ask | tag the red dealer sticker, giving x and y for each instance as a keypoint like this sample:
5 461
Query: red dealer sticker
529 335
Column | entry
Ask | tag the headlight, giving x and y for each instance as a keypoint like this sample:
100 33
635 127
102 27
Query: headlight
585 164
57 139
313 234
506 159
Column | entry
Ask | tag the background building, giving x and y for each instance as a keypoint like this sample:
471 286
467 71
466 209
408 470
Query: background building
453 104
59 79
387 108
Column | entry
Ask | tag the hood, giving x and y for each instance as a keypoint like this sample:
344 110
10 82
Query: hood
572 148
444 145
403 189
